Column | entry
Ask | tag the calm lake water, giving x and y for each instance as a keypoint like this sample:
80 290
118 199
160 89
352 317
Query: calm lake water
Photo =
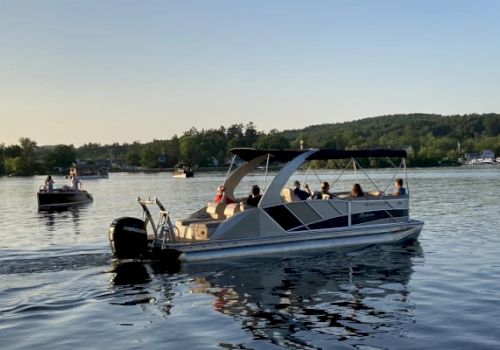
60 288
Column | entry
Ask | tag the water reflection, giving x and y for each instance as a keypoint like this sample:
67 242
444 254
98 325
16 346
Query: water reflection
344 296
53 216
129 280
129 273
293 301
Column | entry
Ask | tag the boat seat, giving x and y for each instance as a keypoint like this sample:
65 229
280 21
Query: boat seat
202 231
199 229
287 195
216 210
232 209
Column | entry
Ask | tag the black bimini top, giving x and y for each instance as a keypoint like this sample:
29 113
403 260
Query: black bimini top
322 154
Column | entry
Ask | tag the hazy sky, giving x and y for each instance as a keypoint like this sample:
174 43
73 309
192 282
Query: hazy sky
119 71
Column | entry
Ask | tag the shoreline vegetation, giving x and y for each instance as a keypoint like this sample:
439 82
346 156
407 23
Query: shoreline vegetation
430 140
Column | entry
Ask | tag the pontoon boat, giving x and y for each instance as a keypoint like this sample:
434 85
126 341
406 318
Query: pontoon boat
280 223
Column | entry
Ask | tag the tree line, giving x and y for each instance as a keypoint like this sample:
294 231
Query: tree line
431 140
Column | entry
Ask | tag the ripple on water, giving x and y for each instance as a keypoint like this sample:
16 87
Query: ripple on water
57 276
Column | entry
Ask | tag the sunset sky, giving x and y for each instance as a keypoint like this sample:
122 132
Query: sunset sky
120 71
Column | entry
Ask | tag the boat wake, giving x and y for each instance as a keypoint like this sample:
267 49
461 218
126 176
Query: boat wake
53 263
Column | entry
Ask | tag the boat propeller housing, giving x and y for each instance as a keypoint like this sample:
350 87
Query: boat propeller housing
128 238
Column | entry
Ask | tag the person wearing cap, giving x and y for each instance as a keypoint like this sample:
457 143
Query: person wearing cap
254 198
325 191
301 194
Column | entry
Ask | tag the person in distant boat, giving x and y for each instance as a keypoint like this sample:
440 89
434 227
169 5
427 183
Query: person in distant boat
357 191
325 191
72 171
254 198
299 193
399 190
74 180
49 184
221 197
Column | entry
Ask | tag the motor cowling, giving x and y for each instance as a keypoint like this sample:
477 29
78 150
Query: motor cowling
128 238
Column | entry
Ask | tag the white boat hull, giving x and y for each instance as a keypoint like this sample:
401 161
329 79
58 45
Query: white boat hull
337 239
183 175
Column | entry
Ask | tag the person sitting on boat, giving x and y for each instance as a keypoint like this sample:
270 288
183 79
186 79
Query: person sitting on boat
299 193
357 191
221 196
49 184
254 198
399 190
325 191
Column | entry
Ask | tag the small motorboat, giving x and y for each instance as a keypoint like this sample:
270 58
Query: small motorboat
183 172
281 223
64 196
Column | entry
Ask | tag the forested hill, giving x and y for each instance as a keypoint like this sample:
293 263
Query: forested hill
431 139
401 129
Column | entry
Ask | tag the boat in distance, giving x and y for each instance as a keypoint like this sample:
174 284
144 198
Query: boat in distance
280 222
183 172
89 172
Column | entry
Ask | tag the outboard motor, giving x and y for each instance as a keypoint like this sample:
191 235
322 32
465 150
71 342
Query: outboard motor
128 238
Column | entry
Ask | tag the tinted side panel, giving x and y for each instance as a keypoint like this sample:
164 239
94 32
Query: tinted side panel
283 217
399 213
330 223
361 218
369 216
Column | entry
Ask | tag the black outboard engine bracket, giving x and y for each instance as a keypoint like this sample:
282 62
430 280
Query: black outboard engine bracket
129 239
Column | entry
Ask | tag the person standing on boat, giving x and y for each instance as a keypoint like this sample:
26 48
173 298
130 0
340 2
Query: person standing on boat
49 184
399 190
254 198
75 181
301 194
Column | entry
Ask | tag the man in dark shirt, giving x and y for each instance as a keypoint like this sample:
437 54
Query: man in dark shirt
255 197
301 194
399 190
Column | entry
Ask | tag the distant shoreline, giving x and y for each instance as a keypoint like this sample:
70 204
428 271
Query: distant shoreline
165 170
273 168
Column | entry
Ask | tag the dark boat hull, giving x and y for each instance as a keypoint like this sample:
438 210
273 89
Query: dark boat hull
62 198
